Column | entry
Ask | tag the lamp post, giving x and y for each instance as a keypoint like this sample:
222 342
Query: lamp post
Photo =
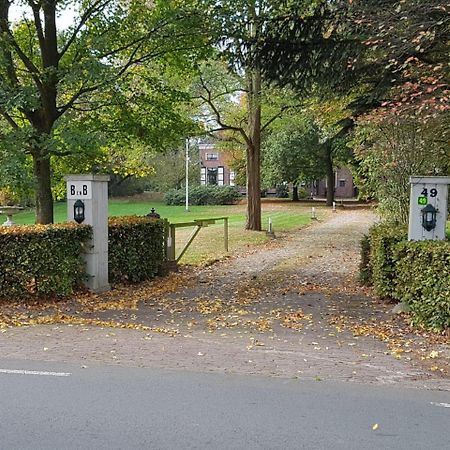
187 174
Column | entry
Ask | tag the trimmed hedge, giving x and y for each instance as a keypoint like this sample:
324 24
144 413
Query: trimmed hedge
365 270
417 273
136 248
205 195
41 260
423 281
383 238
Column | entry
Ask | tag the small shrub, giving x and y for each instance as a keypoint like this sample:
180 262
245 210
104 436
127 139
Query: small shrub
205 195
302 193
423 281
282 191
383 238
136 248
365 271
41 260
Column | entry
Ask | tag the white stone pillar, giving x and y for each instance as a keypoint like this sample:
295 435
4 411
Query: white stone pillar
426 191
92 190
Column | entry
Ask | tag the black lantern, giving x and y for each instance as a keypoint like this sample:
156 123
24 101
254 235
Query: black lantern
153 214
78 211
429 217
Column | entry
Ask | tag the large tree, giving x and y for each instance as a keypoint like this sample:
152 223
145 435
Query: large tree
392 53
48 75
240 27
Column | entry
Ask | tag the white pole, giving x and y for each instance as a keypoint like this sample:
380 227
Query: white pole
187 174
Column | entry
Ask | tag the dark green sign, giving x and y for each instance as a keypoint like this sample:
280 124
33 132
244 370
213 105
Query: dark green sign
422 200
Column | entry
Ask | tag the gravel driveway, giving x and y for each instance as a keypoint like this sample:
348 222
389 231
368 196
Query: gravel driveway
291 309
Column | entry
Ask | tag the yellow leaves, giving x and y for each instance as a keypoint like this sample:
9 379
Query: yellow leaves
209 306
294 320
433 354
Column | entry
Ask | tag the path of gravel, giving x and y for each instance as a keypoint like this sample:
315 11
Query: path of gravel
291 310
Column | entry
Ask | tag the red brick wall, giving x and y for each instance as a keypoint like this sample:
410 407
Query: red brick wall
205 149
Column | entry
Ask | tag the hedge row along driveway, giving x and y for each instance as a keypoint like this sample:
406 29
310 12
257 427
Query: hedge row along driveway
46 260
417 273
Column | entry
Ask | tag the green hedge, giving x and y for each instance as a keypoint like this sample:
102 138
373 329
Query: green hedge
204 195
423 281
41 260
136 248
383 238
365 270
417 273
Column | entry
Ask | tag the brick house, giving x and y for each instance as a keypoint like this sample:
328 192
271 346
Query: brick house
214 169
343 185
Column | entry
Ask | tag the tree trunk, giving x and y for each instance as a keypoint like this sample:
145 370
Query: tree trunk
330 174
254 151
253 191
295 193
253 81
44 199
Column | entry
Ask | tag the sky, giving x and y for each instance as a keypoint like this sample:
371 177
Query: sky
65 19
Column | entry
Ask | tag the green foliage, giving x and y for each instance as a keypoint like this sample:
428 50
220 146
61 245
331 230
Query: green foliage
293 153
365 271
41 260
391 150
423 281
100 94
136 248
417 273
383 239
205 195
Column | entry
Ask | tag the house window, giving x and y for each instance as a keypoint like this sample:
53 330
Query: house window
341 183
203 176
220 173
232 175
212 156
211 176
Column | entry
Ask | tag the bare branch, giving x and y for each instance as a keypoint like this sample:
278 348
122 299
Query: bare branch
10 120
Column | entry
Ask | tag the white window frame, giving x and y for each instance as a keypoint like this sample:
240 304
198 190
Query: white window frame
203 176
220 176
232 177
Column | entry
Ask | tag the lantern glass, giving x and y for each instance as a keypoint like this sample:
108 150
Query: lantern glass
429 216
78 211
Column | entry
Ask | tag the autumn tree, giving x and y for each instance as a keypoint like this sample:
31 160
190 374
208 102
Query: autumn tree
50 76
390 55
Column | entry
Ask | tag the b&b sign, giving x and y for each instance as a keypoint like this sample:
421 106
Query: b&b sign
79 190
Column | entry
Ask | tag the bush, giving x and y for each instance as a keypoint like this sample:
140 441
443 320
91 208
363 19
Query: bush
205 195
282 191
302 193
365 271
41 260
383 238
136 248
423 281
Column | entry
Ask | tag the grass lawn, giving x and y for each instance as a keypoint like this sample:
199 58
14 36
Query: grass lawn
208 245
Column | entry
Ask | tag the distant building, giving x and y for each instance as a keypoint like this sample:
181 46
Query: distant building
214 169
343 185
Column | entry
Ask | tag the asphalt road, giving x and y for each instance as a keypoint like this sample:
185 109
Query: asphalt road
131 408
